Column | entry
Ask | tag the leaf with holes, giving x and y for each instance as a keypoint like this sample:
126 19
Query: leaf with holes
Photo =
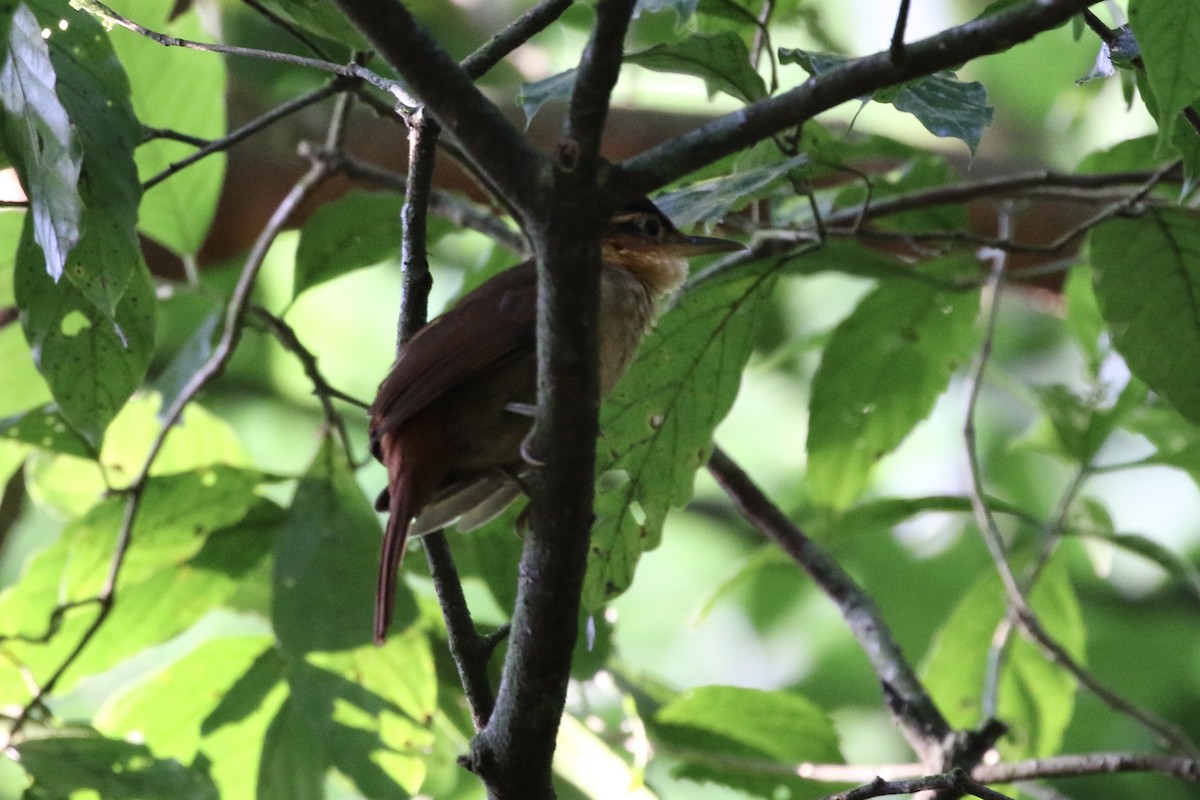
658 422
1147 278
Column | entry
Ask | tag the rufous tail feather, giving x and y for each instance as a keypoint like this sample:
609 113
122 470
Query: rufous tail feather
394 540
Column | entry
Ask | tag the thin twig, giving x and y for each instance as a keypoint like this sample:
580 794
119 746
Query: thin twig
1019 609
235 311
292 30
249 129
394 88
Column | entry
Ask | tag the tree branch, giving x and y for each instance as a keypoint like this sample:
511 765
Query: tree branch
726 135
491 144
914 711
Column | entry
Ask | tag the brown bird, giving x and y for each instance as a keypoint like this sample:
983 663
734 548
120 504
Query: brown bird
453 412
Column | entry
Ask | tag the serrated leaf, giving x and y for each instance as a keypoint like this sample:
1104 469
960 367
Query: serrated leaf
1036 698
533 96
331 537
38 135
72 761
721 731
1147 274
1168 34
92 361
95 92
659 420
177 212
357 230
884 367
720 59
946 106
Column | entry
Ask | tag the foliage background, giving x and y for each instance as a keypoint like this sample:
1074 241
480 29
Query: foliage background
234 669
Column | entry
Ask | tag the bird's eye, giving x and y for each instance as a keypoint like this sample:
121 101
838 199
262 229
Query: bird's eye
651 227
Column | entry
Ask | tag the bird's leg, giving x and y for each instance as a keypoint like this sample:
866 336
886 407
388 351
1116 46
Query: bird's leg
526 410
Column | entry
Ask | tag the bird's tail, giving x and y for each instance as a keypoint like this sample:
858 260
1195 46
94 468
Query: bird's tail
394 540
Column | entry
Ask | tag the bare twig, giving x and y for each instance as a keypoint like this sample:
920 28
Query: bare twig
1019 609
914 711
897 48
235 311
249 129
393 88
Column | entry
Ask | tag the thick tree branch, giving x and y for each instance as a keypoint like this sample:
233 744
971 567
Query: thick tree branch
513 753
862 76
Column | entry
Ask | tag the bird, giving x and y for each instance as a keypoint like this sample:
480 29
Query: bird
452 414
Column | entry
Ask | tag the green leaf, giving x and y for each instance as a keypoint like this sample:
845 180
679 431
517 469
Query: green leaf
884 367
1084 320
174 572
92 361
95 92
720 59
946 106
373 708
321 18
532 96
1147 280
1175 439
168 706
294 758
45 428
69 762
746 739
1174 564
1168 33
37 134
710 200
177 212
589 763
357 230
1036 698
331 538
659 420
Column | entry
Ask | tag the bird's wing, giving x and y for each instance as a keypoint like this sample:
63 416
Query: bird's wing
503 321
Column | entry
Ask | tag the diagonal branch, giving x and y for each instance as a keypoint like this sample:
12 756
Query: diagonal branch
488 140
919 719
726 135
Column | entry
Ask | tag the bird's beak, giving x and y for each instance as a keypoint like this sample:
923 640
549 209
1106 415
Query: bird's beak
705 245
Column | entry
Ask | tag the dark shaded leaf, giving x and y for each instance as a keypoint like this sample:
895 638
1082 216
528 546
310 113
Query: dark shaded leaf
69 761
358 230
720 59
45 428
532 96
1168 34
331 538
710 200
1147 279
